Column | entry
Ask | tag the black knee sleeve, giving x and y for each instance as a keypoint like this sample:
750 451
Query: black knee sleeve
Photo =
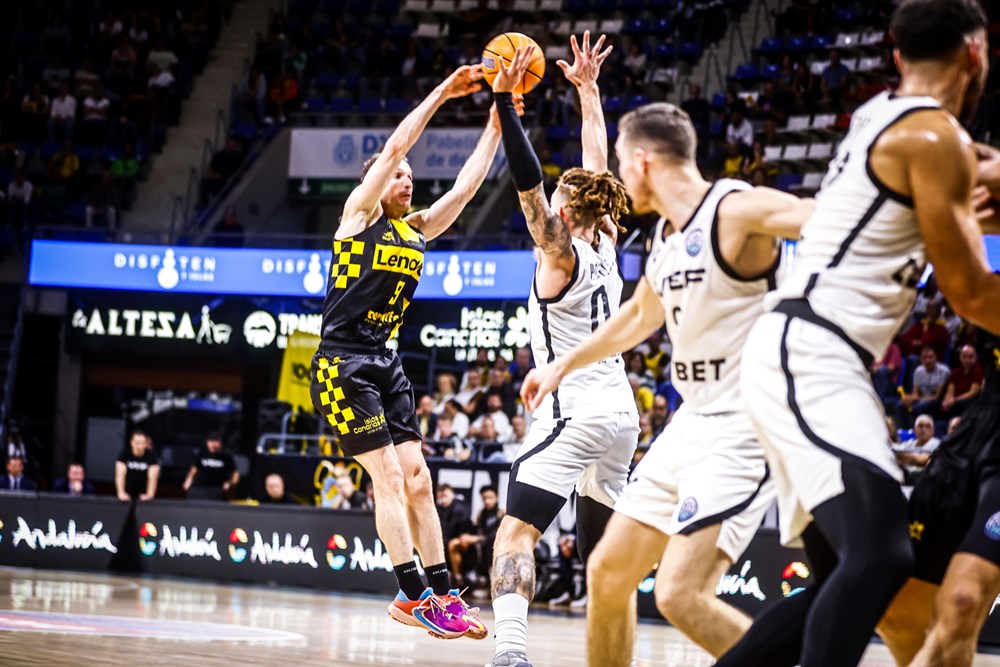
591 519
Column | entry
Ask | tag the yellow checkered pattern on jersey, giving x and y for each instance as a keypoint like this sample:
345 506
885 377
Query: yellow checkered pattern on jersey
329 395
344 267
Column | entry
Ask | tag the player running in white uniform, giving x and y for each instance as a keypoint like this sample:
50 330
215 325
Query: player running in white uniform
896 195
584 435
699 495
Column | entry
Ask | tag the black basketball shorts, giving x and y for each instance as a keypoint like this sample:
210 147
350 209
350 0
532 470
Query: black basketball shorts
367 399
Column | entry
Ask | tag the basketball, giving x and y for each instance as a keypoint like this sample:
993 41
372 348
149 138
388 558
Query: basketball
501 49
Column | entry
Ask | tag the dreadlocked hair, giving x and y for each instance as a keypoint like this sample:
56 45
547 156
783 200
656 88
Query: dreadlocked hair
595 195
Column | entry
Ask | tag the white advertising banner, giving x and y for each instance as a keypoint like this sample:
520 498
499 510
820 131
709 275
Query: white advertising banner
339 153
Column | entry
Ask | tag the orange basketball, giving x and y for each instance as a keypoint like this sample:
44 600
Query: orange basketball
501 49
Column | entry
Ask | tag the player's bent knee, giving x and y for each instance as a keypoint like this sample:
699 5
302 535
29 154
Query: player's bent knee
515 535
419 484
962 606
603 577
389 483
674 601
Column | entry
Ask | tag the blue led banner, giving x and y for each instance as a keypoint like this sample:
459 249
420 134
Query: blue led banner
300 273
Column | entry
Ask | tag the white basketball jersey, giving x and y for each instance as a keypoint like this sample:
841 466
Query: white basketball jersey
710 309
861 254
559 324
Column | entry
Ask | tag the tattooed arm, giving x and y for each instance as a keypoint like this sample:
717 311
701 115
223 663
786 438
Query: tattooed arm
556 259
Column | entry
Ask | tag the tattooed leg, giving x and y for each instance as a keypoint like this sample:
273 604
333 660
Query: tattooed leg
513 583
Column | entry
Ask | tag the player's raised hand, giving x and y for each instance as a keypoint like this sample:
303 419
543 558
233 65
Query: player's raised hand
510 76
586 60
518 106
538 383
463 81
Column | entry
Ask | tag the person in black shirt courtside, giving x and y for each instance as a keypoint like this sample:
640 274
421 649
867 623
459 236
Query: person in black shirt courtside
137 470
358 383
213 472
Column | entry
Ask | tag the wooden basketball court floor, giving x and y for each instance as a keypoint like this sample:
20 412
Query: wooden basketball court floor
62 618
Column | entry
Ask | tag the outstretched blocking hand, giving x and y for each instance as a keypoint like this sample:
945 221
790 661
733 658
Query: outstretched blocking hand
509 76
463 81
586 61
495 118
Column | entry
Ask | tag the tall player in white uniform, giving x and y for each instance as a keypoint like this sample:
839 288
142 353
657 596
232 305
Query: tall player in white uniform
584 436
897 194
699 495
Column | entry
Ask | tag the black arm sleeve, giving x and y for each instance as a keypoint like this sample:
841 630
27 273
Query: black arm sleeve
525 169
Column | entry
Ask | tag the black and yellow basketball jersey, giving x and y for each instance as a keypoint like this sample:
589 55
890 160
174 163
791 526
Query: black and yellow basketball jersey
372 280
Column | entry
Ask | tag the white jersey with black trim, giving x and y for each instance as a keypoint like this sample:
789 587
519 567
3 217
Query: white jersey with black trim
561 323
709 307
861 254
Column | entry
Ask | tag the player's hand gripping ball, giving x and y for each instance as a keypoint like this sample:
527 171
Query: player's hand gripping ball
500 53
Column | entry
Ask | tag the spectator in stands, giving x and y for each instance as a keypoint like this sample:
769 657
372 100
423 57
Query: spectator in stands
123 59
15 479
634 65
274 491
162 56
964 383
65 165
138 36
456 519
19 193
253 93
426 417
732 166
295 63
643 396
807 88
952 322
349 497
885 376
518 431
105 200
926 295
213 473
486 440
559 101
85 80
550 170
446 442
75 482
125 171
161 81
122 132
698 108
471 553
35 112
635 365
499 384
95 115
914 454
928 331
656 353
223 165
228 233
472 392
645 431
928 388
137 470
283 94
62 117
834 80
739 132
446 386
786 76
55 75
659 416
518 370
574 587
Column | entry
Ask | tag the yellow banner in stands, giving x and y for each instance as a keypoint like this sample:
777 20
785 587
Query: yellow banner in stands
293 386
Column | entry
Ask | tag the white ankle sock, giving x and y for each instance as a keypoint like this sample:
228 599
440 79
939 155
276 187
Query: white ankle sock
511 614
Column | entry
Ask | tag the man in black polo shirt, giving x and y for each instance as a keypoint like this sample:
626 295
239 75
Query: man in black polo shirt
137 469
213 473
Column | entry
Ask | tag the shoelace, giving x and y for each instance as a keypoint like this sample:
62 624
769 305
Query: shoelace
451 598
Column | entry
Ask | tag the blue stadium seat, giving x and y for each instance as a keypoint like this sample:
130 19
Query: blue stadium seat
327 81
557 133
245 130
315 104
636 27
819 42
662 26
666 51
636 101
110 153
576 159
85 153
795 44
846 15
769 72
788 181
715 129
691 50
771 46
397 105
612 130
48 149
341 105
718 101
369 105
614 105
575 131
517 223
746 73
558 159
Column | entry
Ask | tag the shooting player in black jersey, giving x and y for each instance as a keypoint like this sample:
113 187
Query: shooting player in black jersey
359 385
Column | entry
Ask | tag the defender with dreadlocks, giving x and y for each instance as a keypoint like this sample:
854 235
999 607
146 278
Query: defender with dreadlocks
585 435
